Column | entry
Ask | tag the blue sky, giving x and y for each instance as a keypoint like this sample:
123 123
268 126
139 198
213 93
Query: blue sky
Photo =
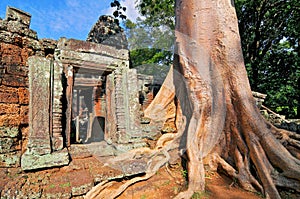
65 18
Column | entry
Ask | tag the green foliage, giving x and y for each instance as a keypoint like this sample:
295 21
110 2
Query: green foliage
270 39
51 186
270 42
200 195
184 173
67 184
120 10
158 12
143 196
151 48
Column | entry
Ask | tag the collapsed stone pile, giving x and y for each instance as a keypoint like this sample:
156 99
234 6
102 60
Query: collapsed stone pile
107 31
282 123
276 119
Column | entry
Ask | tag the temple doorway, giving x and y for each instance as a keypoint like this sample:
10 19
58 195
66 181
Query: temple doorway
88 109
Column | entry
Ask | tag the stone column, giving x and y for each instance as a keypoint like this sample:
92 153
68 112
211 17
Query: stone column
120 96
129 133
39 104
133 115
39 153
110 119
69 73
57 94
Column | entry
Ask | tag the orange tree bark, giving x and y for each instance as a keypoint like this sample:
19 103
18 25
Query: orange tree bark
219 126
224 127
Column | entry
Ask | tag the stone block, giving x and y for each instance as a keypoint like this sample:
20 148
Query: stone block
8 95
9 37
9 132
10 120
39 144
14 80
24 117
59 186
54 191
18 15
17 70
32 43
23 96
11 54
30 161
24 132
121 148
92 48
10 159
8 145
2 70
129 167
57 143
9 109
25 53
133 95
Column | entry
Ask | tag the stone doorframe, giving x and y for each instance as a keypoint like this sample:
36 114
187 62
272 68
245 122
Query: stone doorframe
53 79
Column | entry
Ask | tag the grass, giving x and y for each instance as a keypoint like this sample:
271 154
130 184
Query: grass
51 186
184 173
166 183
143 196
67 184
200 195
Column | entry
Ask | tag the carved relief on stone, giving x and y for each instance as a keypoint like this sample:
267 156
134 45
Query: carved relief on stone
39 89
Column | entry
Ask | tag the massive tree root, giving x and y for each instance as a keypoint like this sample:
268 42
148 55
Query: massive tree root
257 155
156 158
222 128
209 58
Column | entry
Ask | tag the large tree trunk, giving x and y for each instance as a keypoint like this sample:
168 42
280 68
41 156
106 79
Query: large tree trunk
216 99
221 127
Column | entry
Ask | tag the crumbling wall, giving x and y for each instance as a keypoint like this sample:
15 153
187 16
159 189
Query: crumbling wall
17 43
107 31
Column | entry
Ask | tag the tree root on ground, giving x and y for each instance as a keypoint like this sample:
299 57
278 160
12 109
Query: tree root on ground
157 158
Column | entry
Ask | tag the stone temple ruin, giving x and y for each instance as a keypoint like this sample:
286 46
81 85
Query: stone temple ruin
57 93
57 97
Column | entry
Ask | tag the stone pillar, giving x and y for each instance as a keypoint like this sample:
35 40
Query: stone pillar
110 119
121 105
69 72
39 153
133 115
57 94
39 100
129 134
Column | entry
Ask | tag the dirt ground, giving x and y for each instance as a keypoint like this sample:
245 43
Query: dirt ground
168 182
75 180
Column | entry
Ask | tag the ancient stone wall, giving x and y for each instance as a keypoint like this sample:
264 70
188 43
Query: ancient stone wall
36 105
17 43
